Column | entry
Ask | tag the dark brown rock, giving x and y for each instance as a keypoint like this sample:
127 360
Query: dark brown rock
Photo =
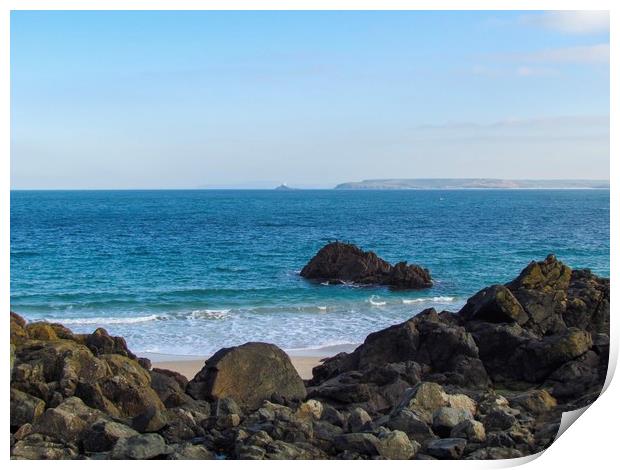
494 304
24 408
343 262
100 342
542 290
250 374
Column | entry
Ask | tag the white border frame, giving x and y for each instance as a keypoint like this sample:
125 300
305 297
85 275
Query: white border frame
591 443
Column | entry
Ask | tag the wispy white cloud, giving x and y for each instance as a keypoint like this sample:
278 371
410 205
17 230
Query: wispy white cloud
529 71
570 22
595 54
513 71
541 63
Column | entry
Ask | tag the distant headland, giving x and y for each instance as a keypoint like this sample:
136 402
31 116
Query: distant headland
473 183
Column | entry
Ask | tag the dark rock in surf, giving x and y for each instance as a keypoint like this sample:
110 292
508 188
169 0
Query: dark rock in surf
343 262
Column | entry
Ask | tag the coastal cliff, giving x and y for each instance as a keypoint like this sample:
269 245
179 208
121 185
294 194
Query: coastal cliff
487 382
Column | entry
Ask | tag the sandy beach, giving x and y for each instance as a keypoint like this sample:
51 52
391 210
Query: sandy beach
303 360
189 368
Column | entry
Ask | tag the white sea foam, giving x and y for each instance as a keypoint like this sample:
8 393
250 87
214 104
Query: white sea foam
210 314
429 299
106 320
378 303
322 307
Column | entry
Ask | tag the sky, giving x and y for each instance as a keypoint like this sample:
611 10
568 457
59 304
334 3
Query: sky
311 99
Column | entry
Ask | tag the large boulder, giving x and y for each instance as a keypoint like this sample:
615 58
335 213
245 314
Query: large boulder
494 304
431 339
250 374
56 369
18 329
343 262
103 435
587 307
68 421
100 342
140 447
542 289
37 446
24 408
52 370
126 392
170 387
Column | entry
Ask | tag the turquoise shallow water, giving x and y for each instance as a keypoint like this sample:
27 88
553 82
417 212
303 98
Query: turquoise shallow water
189 272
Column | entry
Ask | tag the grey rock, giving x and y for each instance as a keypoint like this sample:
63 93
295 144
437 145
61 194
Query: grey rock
359 420
445 419
469 429
361 443
140 447
104 434
41 447
24 408
395 445
450 448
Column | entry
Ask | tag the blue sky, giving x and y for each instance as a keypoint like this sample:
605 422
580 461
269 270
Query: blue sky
253 99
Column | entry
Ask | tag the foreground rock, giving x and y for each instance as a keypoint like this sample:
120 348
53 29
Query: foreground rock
488 382
338 262
249 374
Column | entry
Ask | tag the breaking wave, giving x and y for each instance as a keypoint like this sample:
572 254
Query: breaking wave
429 299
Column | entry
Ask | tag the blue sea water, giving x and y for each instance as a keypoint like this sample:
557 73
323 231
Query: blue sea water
189 272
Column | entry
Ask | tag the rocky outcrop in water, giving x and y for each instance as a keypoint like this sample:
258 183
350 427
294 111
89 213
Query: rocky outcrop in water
488 382
337 263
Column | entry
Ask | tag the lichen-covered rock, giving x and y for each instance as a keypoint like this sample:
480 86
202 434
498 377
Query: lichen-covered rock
140 447
494 453
359 419
311 409
126 392
103 435
462 402
249 374
494 304
587 306
24 408
536 402
150 420
446 418
42 447
469 429
52 370
100 342
41 331
424 400
190 452
396 445
542 289
68 421
410 423
170 387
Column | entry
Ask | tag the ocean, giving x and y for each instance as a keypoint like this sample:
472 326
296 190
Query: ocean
191 271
